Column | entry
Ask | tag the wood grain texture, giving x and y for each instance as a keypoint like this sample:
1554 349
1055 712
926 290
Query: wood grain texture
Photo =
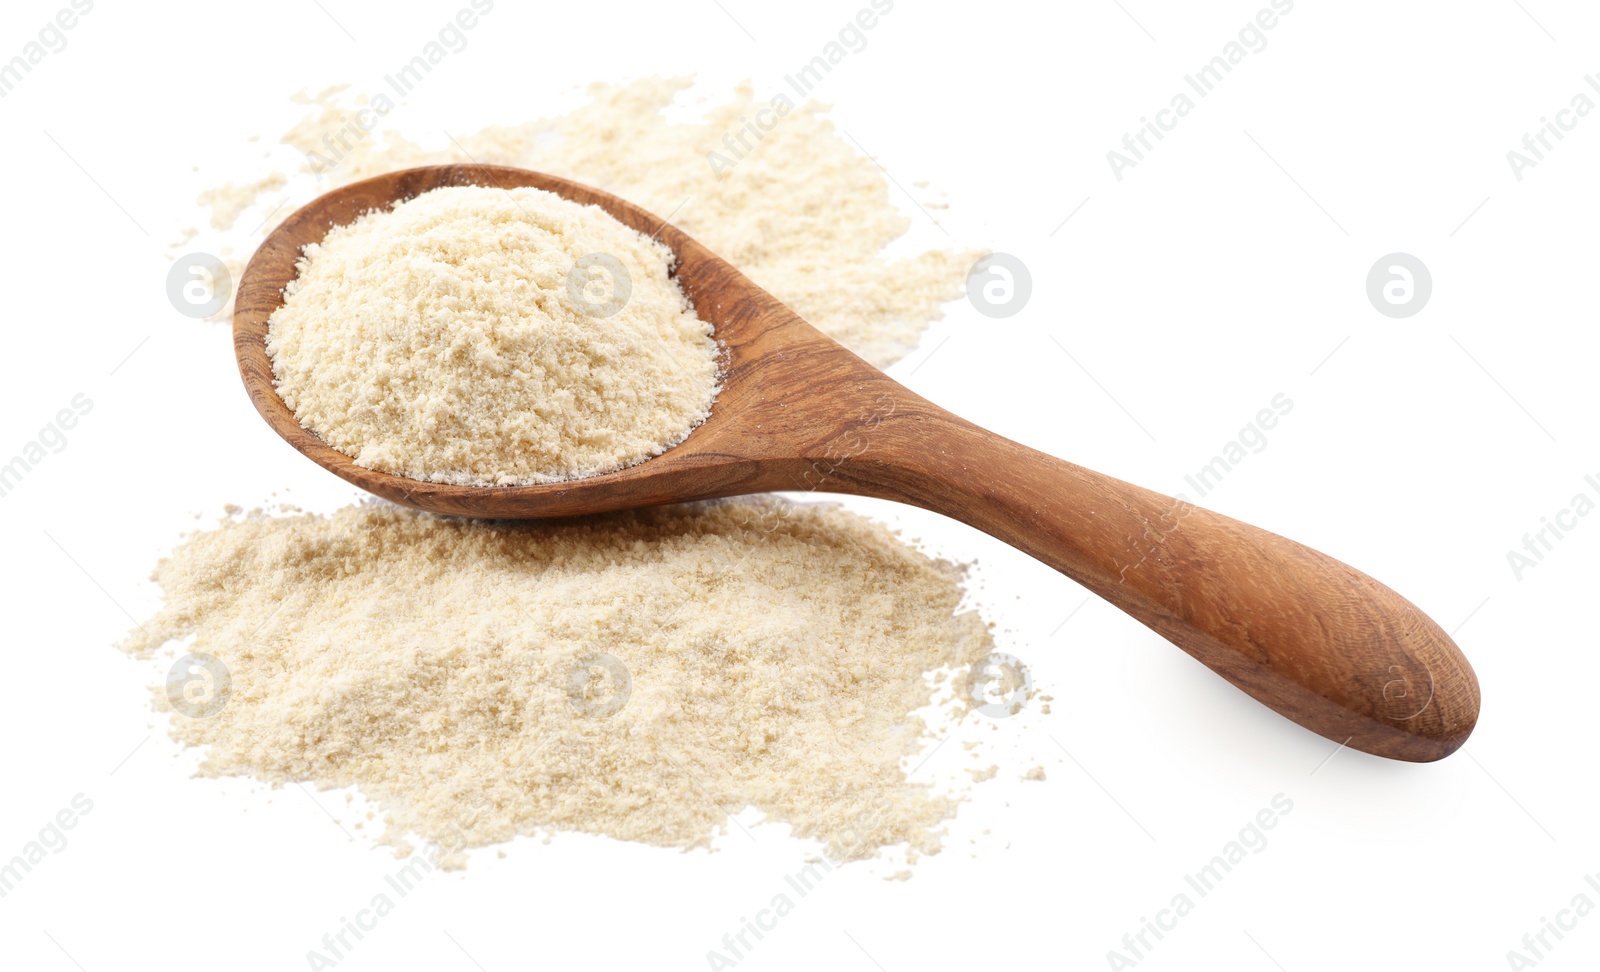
1314 639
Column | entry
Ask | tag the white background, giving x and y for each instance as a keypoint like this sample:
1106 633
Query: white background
1226 268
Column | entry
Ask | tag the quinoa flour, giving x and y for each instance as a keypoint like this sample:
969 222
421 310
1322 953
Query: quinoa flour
459 338
641 675
804 214
638 675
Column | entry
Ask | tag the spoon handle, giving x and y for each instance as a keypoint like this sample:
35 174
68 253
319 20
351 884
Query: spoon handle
1312 638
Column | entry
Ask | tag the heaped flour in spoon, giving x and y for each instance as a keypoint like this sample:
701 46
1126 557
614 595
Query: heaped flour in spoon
482 336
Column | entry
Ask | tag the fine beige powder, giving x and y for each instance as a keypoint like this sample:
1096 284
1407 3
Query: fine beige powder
803 212
228 201
482 336
641 676
461 674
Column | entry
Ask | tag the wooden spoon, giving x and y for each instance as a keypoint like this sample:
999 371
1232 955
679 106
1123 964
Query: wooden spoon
1314 639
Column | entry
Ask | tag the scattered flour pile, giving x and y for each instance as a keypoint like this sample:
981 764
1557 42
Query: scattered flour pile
639 675
642 675
803 213
463 337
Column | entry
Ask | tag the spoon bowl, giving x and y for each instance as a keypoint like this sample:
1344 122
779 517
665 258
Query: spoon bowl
1316 640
